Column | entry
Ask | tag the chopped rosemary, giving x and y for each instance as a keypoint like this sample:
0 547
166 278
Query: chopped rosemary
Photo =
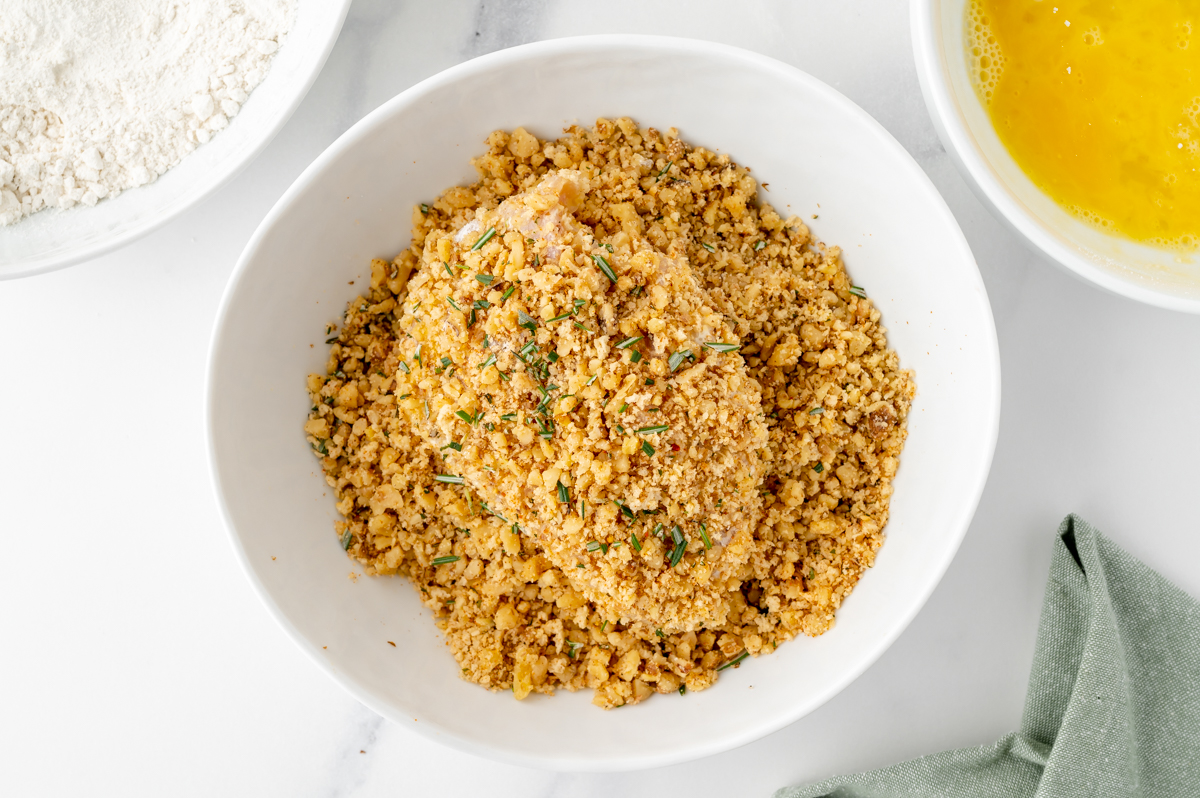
819 467
858 292
654 429
446 266
561 316
758 246
491 360
647 448
719 347
320 447
402 398
483 239
553 356
676 360
664 171
452 445
683 689
591 379
564 493
680 545
658 528
628 342
624 407
346 539
481 304
622 429
526 321
580 326
704 536
633 541
583 509
593 545
424 208
453 304
708 246
508 417
733 663
603 266
625 511
446 362
486 279
508 292
331 340
446 560
659 632
816 411
449 479
635 356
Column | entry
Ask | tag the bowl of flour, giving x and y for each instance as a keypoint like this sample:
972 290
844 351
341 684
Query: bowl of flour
118 115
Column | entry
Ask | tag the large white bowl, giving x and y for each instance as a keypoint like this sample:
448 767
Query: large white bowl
1155 276
354 203
54 239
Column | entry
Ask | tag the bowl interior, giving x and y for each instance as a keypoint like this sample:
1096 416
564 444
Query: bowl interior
820 154
53 239
1158 276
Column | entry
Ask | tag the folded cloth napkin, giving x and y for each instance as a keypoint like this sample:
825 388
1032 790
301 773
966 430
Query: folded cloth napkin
1113 708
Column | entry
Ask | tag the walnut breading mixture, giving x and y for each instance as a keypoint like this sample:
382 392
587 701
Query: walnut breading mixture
445 473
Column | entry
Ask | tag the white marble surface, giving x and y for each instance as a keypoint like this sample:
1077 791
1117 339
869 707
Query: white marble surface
136 661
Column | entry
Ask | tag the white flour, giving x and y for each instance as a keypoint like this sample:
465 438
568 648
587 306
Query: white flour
97 96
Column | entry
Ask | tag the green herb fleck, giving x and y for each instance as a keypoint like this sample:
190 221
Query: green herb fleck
564 493
602 264
491 360
704 536
467 417
708 246
449 479
453 304
628 342
446 560
664 171
733 663
486 279
858 292
508 292
483 239
424 208
508 417
654 429
526 321
719 347
816 411
346 539
647 448
452 445
760 245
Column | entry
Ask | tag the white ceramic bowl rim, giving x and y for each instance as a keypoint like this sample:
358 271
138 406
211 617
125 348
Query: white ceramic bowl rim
965 150
183 197
694 748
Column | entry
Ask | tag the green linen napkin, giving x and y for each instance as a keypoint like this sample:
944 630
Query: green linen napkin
1113 708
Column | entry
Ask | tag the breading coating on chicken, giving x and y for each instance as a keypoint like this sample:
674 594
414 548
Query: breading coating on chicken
587 393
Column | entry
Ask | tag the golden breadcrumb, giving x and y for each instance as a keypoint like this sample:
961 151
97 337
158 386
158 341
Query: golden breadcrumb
516 611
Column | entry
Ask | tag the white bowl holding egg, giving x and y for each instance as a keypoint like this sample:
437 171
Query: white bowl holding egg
353 204
1165 278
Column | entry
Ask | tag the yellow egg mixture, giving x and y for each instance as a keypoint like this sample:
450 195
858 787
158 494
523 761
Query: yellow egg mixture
1099 103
